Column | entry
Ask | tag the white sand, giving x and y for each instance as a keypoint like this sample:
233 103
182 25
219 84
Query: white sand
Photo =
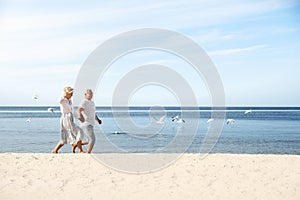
218 176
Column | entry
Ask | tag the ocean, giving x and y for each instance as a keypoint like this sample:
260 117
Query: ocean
265 130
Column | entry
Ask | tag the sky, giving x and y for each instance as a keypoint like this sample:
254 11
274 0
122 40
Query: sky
253 44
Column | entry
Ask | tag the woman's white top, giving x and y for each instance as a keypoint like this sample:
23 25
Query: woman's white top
66 106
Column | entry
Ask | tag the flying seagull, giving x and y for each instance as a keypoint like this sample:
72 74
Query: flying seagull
161 120
35 97
50 109
178 119
230 121
210 120
248 111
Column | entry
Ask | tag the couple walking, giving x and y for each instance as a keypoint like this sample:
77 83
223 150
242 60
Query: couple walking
70 133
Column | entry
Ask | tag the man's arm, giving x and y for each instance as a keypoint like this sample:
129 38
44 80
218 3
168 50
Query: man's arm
98 120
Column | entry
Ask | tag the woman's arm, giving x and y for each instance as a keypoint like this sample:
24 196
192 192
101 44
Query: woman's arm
79 114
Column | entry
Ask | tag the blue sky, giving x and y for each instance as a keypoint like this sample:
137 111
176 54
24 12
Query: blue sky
253 44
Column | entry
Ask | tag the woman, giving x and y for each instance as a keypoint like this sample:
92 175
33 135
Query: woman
69 132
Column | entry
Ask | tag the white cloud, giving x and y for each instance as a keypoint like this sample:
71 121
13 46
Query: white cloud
43 37
33 38
174 14
235 50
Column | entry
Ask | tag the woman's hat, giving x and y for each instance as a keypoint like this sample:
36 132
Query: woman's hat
68 90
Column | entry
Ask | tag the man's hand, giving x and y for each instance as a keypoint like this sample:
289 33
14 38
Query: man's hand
81 118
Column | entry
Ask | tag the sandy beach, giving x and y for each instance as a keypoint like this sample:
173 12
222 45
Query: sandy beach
217 176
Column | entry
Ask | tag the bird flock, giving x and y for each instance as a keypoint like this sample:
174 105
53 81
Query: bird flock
35 97
161 120
179 120
230 120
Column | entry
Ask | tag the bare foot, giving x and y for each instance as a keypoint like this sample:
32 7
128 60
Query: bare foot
54 151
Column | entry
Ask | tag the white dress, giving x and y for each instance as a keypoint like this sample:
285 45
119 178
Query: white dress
70 133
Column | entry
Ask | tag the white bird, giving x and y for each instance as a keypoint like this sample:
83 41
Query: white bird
35 97
230 121
178 119
28 120
161 120
248 111
50 109
175 118
210 120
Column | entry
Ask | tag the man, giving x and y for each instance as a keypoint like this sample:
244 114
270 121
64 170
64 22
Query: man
87 116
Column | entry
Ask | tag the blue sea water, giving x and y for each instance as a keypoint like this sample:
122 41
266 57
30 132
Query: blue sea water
266 130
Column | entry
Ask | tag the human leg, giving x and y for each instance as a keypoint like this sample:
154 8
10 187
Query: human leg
90 148
79 145
74 146
90 132
57 147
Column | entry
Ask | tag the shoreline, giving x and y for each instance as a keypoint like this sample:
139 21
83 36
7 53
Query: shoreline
145 153
217 176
